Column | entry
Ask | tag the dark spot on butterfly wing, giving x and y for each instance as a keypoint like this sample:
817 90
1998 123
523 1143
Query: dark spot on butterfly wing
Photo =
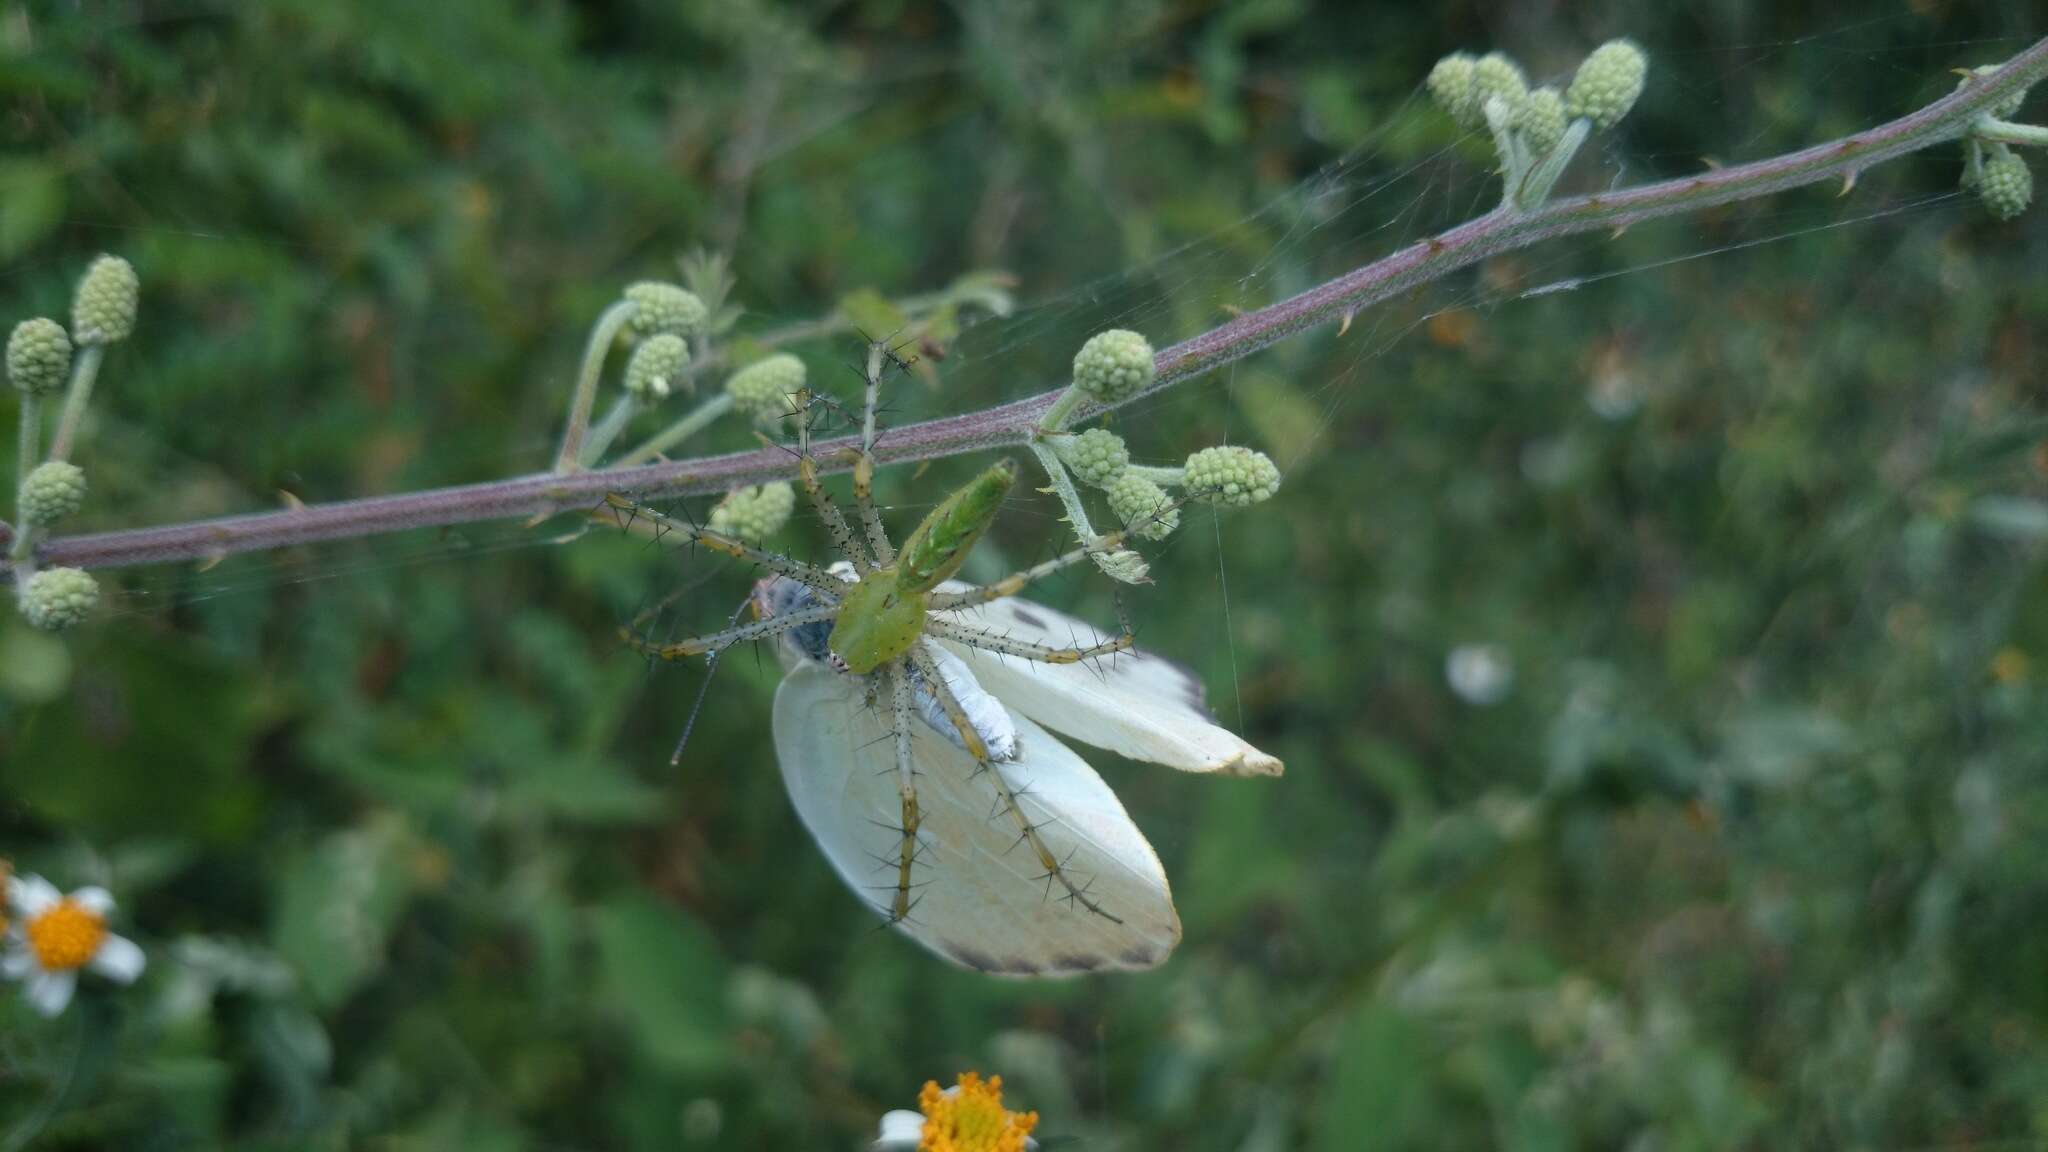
1027 617
1190 685
983 962
977 960
1141 956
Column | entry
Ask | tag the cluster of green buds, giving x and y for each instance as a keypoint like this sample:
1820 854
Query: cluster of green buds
675 333
764 391
672 331
661 321
1537 131
1992 168
42 360
1141 496
1112 367
754 513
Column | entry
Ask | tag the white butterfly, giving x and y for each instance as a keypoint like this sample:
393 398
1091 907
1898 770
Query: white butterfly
983 898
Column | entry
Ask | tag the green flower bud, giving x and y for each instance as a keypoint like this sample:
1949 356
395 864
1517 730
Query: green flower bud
54 490
1096 456
1541 120
1607 84
755 513
659 359
2006 185
663 307
1450 85
38 356
1496 75
1227 474
1144 508
57 598
2004 110
763 389
1113 365
103 308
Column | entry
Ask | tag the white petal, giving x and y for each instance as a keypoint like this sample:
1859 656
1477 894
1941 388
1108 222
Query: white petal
32 895
17 963
1136 704
50 992
900 1130
119 959
97 901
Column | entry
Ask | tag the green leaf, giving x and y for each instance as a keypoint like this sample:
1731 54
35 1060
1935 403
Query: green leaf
2012 517
872 314
1286 420
1778 747
31 204
337 904
1376 1095
662 975
35 667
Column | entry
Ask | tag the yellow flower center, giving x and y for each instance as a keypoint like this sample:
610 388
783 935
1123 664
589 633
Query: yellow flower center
972 1119
66 936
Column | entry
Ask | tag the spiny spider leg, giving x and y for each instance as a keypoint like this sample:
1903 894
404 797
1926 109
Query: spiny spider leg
807 473
719 641
704 689
1042 653
622 511
864 461
902 714
1016 582
1006 798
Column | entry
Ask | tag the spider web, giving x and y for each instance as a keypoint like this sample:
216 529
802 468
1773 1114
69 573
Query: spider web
1381 194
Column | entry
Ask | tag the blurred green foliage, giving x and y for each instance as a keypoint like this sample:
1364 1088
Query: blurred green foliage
1747 857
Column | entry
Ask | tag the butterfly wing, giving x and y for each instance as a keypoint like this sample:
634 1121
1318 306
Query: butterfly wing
1136 703
981 899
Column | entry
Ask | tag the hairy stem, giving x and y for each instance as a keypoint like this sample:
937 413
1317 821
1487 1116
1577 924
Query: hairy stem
1543 175
1162 476
1063 487
2005 132
1946 119
607 429
602 334
1054 419
76 399
691 423
28 450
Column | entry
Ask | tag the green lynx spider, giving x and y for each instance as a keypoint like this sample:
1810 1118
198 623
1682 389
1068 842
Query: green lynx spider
895 600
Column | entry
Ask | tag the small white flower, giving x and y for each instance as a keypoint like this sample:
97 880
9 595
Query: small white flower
1479 673
968 1117
57 935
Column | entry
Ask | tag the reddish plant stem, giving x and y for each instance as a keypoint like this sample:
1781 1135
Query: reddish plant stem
1502 231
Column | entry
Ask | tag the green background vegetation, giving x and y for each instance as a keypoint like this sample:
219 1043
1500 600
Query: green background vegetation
1752 855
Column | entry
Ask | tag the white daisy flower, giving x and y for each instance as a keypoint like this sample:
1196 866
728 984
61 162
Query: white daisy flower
56 936
968 1117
